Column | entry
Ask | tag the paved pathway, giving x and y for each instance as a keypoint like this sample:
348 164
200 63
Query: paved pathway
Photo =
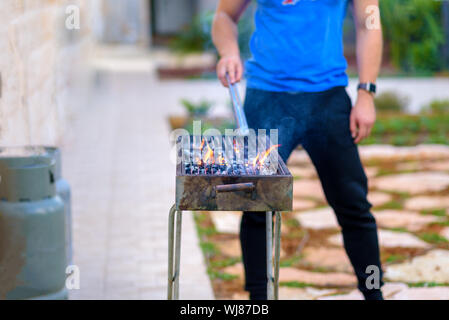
116 159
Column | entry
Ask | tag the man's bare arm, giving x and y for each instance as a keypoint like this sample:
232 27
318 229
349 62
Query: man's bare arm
225 38
369 56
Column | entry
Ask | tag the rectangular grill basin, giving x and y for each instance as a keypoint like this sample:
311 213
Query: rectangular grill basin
208 192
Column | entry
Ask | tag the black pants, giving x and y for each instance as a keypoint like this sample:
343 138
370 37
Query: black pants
319 121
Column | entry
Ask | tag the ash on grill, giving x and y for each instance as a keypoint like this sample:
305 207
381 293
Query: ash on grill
229 156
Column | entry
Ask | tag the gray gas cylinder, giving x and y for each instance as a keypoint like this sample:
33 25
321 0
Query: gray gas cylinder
32 229
62 186
63 190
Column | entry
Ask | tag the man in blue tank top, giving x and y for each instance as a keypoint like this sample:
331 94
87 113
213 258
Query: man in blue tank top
296 81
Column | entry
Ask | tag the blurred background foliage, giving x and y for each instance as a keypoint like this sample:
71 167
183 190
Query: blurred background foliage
413 33
196 37
395 126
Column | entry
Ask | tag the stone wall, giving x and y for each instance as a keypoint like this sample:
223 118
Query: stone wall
125 22
42 65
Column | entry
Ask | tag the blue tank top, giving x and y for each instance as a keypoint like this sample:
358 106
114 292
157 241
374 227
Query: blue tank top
297 46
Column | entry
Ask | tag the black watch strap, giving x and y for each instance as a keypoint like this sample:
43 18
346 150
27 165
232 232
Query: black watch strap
368 86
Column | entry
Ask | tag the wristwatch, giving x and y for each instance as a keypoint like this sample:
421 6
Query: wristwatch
368 86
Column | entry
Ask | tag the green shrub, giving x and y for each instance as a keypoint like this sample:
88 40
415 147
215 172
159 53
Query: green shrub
196 36
391 101
413 33
438 106
199 109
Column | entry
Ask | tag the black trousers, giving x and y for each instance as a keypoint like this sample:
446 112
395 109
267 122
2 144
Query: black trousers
319 121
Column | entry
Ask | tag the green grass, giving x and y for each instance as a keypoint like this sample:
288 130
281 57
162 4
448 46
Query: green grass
393 204
199 217
291 261
403 129
402 195
294 284
427 284
441 223
435 212
404 230
386 172
209 248
206 231
295 234
293 223
214 274
434 238
321 269
224 263
395 258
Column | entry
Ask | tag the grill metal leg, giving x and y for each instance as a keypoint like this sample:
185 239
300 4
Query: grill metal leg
277 253
273 280
174 252
269 231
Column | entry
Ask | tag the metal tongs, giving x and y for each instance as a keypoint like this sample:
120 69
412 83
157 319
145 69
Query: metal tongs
239 115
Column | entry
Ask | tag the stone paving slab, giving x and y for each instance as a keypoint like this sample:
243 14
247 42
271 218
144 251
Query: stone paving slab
389 290
409 220
330 258
413 183
436 293
288 274
427 202
226 221
389 239
431 267
323 218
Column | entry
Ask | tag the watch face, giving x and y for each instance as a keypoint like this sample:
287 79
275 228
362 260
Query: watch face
371 87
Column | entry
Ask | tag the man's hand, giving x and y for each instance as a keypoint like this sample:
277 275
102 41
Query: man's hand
363 116
225 38
231 64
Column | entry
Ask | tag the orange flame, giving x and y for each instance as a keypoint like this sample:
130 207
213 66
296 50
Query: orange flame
255 160
267 153
209 155
236 147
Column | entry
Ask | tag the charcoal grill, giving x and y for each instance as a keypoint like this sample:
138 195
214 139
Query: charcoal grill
231 185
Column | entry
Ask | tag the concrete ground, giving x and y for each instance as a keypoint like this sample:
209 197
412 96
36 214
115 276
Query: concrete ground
116 158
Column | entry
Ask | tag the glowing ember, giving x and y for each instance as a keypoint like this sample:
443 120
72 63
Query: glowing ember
232 160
